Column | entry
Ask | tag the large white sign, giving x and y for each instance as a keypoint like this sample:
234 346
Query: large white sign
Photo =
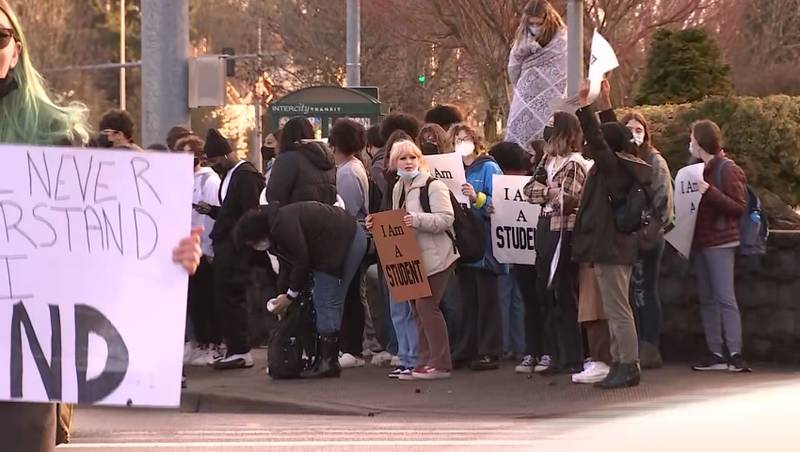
687 200
92 308
602 60
513 221
449 168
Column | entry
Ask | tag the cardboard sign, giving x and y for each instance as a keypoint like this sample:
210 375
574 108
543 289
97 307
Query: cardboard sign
92 308
513 221
687 200
449 168
400 256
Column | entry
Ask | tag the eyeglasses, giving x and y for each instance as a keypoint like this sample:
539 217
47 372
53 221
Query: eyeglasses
108 131
6 35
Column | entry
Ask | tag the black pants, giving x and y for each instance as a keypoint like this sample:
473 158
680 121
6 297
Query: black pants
481 328
232 273
525 275
351 335
562 333
202 305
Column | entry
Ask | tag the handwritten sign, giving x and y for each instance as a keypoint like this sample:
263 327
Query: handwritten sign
449 168
687 200
92 308
400 256
513 221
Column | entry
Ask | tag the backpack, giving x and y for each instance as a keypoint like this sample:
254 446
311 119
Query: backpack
468 226
753 225
635 213
289 341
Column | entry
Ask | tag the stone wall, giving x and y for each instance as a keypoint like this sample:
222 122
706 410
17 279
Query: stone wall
768 292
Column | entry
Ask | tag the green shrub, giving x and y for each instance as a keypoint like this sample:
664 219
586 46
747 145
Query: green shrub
761 134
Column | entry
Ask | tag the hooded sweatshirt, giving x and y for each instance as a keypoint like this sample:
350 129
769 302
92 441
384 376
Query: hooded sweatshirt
206 189
304 171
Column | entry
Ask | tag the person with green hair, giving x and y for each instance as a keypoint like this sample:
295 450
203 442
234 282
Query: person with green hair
29 116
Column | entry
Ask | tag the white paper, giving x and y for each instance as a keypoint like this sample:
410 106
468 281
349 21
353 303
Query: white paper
513 221
449 168
687 200
602 60
92 238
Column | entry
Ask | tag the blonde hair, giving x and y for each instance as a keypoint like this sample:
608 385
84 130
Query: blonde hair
403 147
544 10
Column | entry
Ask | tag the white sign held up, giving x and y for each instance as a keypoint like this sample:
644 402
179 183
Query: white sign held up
93 308
513 221
687 200
449 168
602 60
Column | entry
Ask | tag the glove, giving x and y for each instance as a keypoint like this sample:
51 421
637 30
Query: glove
540 175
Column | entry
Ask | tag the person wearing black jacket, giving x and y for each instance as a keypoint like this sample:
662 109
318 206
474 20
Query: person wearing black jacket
303 170
239 193
308 237
598 241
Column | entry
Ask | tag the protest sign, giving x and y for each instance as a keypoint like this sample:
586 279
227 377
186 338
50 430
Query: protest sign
687 200
513 221
400 256
602 60
92 308
449 168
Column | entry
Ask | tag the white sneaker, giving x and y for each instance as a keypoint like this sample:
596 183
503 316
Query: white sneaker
395 362
382 359
201 357
544 363
593 372
348 361
235 361
526 365
216 353
189 352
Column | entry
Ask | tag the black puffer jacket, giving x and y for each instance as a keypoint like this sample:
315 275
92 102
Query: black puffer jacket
243 191
306 237
303 172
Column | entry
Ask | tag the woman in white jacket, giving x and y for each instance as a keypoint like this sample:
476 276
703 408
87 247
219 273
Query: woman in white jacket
438 253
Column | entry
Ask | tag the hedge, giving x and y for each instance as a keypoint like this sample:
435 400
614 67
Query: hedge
761 134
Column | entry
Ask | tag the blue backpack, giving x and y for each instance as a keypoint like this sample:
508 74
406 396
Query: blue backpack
754 225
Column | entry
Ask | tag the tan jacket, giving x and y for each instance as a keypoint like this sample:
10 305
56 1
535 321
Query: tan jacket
438 250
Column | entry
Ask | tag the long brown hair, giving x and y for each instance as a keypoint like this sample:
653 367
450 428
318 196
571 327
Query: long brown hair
455 129
638 117
435 133
545 11
567 135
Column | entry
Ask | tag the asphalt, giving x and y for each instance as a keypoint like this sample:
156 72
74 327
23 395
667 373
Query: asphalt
368 392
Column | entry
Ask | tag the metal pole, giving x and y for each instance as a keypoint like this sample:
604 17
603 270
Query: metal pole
122 39
353 43
255 156
574 46
165 68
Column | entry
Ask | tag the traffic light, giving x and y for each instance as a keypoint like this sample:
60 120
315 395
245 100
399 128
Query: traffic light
422 79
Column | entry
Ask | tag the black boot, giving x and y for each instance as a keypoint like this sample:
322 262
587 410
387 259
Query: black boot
326 363
624 375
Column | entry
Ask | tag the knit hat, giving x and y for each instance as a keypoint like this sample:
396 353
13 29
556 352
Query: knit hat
216 144
618 137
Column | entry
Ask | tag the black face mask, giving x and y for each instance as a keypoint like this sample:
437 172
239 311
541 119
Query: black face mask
430 148
267 153
103 141
548 133
8 84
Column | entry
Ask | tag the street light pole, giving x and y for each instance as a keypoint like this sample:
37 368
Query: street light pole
122 39
353 43
574 46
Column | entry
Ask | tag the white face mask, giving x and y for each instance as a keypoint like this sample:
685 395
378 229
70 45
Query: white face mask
534 30
638 138
262 245
465 148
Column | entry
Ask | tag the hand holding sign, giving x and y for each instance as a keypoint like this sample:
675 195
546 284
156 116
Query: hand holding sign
689 189
602 60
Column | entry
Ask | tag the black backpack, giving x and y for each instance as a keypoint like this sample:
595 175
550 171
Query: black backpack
291 339
468 226
753 225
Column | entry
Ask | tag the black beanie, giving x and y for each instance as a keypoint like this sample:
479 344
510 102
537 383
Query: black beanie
618 137
216 145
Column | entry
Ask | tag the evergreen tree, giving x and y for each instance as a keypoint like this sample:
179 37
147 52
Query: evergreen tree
683 66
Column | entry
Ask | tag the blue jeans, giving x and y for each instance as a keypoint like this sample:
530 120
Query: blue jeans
512 315
406 329
330 291
451 309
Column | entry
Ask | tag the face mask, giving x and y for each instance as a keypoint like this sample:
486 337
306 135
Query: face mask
408 175
534 30
8 84
103 141
465 148
638 138
267 153
430 149
261 246
548 133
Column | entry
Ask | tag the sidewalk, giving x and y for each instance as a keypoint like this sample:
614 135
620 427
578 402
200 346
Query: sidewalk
368 391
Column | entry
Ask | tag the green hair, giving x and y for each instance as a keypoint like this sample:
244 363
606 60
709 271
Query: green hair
28 115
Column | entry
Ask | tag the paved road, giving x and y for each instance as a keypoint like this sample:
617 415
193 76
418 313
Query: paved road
759 418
